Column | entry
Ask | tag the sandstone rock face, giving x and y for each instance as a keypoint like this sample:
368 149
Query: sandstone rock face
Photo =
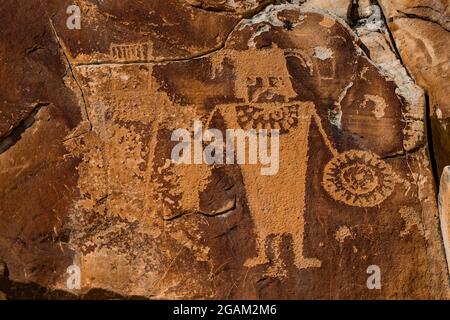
444 210
421 31
90 188
341 8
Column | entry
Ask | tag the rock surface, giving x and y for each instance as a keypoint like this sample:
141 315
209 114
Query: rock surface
421 29
85 153
341 8
444 211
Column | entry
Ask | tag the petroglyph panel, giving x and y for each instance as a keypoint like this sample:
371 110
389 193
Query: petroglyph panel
266 86
106 196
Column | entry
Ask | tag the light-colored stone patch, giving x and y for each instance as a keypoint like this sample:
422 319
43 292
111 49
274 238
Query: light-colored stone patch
379 105
337 7
444 211
323 53
342 233
411 219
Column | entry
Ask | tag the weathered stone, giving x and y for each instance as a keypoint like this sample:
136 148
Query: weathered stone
341 8
421 32
375 38
90 183
382 50
3 270
152 30
242 7
444 210
40 104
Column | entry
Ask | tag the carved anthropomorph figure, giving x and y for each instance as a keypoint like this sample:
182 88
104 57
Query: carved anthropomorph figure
276 202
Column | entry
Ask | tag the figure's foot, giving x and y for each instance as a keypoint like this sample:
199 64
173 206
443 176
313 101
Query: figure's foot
277 269
256 261
305 263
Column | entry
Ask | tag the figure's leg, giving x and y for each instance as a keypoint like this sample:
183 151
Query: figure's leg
301 262
277 266
261 257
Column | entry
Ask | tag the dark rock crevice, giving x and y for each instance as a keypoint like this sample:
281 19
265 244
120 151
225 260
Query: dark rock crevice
72 74
15 134
223 9
423 18
430 141
14 290
392 41
353 13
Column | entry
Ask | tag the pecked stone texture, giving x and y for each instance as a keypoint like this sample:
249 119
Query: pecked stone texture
87 177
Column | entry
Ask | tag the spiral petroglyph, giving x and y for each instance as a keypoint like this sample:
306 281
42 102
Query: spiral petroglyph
359 178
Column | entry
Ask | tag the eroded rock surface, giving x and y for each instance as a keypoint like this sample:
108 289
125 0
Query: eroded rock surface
341 8
444 210
421 32
88 181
